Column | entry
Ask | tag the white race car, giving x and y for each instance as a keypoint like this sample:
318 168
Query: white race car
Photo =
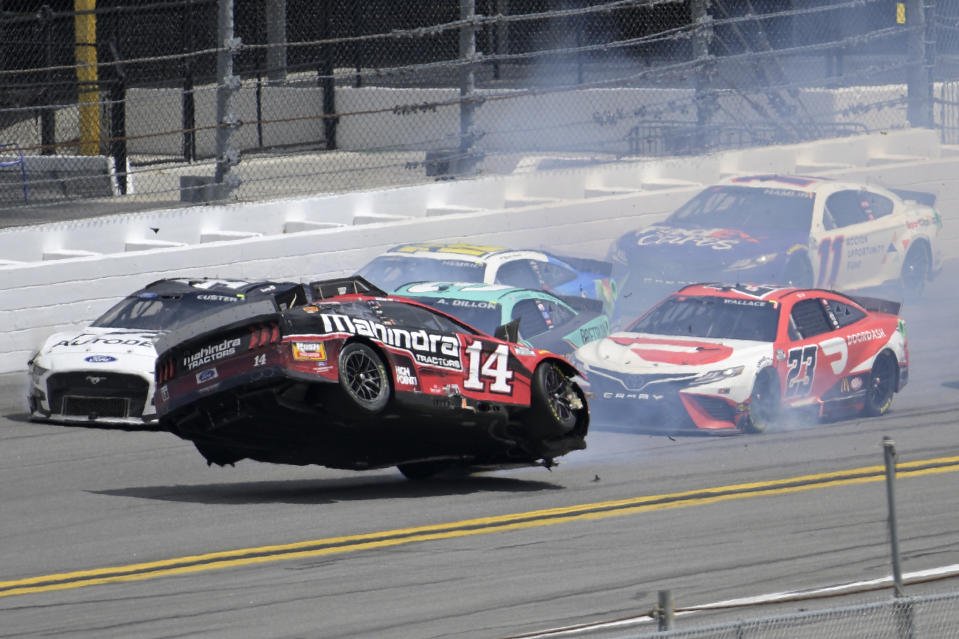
790 230
103 374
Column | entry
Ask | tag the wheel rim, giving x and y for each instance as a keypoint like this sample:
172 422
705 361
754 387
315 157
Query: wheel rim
762 404
556 394
363 376
914 271
881 384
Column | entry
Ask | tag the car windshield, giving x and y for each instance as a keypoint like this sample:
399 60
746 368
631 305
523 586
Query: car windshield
718 317
389 272
484 316
149 311
747 209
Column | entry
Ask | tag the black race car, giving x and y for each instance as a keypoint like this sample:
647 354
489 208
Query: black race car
362 380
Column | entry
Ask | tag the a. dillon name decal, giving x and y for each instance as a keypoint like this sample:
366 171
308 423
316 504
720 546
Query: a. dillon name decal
427 348
211 353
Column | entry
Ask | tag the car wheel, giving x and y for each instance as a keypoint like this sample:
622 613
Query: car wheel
882 385
798 272
557 402
363 378
915 271
423 470
763 402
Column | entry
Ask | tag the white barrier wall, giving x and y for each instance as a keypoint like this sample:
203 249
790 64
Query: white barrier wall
62 275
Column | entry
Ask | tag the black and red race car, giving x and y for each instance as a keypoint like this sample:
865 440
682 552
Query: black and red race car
362 380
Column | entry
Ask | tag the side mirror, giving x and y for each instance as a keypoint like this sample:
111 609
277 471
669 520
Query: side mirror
508 332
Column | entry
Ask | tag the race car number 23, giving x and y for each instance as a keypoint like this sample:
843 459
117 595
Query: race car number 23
493 369
802 368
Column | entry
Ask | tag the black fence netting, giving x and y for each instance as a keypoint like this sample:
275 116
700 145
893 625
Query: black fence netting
196 100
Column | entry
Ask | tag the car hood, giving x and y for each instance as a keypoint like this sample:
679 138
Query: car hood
645 353
94 347
707 248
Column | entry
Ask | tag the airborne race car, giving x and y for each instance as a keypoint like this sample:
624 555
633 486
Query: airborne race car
719 358
103 374
788 230
361 380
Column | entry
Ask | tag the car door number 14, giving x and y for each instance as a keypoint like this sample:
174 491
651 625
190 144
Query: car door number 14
494 369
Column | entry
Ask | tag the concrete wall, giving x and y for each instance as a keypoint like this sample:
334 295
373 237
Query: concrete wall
62 275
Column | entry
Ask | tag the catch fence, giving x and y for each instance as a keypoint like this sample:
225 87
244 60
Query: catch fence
922 617
198 100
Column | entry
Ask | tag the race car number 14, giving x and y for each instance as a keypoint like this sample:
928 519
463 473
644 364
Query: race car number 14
495 368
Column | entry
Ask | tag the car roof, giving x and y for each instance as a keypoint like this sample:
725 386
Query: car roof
465 252
471 291
763 292
812 184
219 286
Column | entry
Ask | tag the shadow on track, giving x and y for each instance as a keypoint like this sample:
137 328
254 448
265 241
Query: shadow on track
329 491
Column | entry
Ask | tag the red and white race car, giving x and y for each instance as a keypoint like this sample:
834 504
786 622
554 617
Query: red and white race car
730 358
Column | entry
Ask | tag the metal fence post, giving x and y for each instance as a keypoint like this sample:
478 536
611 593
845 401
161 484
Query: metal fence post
118 119
227 84
903 607
918 79
705 98
889 453
664 610
467 76
276 38
48 124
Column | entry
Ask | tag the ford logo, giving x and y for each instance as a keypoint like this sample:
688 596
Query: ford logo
100 359
206 375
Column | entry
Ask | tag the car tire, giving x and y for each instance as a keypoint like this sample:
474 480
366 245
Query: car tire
764 402
364 378
418 471
798 272
218 455
552 411
881 386
915 271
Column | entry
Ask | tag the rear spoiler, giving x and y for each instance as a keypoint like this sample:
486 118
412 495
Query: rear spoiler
239 314
922 197
587 264
353 285
877 305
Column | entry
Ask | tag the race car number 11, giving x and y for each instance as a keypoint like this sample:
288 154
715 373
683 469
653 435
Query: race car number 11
495 368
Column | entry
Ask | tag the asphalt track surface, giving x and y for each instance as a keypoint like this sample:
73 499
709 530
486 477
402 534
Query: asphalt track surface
117 534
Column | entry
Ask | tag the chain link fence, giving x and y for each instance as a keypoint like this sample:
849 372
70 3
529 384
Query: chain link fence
923 617
198 100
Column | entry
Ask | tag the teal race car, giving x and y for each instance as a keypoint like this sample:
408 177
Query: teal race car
539 319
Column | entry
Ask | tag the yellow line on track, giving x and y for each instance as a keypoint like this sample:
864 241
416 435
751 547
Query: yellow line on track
464 528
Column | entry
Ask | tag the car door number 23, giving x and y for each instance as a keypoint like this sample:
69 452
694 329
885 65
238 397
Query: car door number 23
494 369
802 368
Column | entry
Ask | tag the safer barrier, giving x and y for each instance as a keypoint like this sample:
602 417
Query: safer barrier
58 276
